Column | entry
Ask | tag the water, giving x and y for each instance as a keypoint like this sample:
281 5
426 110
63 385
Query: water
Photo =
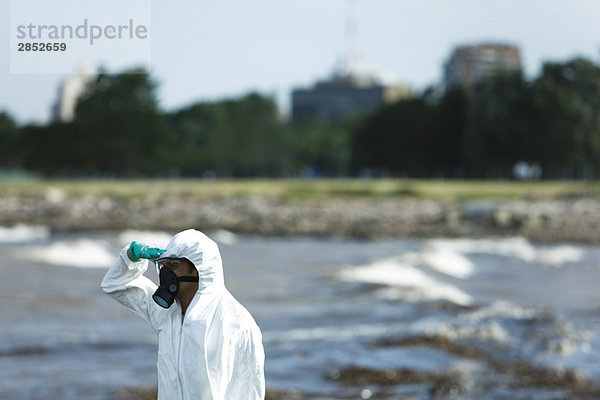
340 318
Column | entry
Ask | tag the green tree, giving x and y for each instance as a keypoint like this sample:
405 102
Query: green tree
498 132
566 117
54 150
449 123
259 143
324 146
122 129
10 156
398 139
240 137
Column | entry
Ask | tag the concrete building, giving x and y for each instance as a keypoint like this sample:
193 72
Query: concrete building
350 89
469 65
346 92
69 92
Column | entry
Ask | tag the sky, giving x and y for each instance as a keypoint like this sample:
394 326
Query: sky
204 50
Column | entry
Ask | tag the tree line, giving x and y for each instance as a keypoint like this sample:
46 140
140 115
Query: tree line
552 121
119 130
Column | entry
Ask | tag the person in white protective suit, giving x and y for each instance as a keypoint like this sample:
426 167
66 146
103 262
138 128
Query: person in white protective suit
209 346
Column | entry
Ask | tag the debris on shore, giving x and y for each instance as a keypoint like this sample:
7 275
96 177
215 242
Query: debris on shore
541 220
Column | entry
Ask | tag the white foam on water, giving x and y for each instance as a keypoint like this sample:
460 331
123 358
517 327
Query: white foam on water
517 247
83 253
501 309
484 323
152 238
480 324
559 255
335 332
575 353
392 272
490 331
23 233
223 236
448 262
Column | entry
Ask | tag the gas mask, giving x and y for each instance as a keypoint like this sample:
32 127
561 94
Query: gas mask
165 294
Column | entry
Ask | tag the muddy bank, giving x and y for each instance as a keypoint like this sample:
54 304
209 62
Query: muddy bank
491 376
545 220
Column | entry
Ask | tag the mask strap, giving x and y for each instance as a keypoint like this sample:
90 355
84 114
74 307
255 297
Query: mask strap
188 279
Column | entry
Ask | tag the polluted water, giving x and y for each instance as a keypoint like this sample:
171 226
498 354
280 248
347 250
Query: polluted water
488 318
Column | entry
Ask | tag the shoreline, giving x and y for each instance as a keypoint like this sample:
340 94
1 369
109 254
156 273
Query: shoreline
546 220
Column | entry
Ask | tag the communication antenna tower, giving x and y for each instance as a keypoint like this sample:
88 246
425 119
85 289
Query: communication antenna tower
350 62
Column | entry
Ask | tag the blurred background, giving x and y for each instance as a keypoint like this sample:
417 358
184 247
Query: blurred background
347 88
405 194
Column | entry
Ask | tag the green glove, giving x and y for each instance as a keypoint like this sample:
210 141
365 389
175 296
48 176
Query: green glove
138 250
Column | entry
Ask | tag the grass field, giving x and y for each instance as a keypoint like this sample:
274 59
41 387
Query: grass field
305 189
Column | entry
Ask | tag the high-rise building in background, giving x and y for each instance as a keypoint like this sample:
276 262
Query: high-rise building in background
69 92
343 94
351 89
469 65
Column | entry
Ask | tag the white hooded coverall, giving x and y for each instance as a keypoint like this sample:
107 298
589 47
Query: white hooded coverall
215 352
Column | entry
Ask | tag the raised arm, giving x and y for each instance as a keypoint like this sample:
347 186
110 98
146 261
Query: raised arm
126 283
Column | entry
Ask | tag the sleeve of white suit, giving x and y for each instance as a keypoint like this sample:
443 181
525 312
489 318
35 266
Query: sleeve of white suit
125 282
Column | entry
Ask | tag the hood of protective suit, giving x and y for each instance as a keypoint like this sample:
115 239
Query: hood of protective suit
204 253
